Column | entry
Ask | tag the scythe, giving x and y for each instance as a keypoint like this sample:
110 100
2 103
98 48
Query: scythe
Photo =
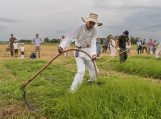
23 86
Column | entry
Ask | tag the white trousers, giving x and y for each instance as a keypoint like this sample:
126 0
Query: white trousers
82 63
158 52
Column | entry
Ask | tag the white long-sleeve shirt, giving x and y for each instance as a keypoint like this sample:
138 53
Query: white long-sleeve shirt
15 46
37 41
83 38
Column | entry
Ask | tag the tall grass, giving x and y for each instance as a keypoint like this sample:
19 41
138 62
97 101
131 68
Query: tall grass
142 66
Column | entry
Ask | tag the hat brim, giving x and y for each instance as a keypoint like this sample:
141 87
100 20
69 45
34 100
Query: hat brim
85 19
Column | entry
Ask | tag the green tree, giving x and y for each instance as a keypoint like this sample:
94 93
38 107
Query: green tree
46 40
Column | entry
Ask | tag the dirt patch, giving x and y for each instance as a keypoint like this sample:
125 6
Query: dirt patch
19 112
10 111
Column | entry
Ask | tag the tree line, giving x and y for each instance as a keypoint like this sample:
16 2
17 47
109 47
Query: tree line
57 40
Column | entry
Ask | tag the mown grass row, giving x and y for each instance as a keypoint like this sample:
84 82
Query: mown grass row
139 65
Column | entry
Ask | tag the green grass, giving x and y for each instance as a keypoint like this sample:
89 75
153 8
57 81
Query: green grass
138 65
111 97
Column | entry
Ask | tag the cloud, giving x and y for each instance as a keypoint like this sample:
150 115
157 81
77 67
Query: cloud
145 19
8 20
53 18
140 17
2 29
124 4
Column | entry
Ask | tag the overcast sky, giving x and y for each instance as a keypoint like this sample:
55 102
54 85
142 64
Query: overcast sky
53 18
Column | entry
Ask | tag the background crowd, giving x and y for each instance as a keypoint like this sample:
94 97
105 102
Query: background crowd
102 44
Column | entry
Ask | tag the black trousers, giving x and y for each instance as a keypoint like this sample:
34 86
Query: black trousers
123 55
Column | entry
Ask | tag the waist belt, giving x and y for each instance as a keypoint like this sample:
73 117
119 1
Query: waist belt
80 47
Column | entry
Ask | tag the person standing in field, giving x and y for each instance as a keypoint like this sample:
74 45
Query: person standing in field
121 46
62 40
22 48
139 46
85 39
154 46
15 47
144 46
11 41
128 47
112 44
150 46
98 47
37 42
105 45
158 51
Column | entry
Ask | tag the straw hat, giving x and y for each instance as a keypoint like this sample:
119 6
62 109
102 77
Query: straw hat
92 17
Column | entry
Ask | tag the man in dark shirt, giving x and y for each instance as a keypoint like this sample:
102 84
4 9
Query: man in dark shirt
121 46
144 46
11 41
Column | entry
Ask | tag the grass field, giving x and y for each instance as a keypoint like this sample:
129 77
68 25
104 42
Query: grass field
122 91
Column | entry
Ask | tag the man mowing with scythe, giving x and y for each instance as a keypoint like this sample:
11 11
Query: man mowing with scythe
85 39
